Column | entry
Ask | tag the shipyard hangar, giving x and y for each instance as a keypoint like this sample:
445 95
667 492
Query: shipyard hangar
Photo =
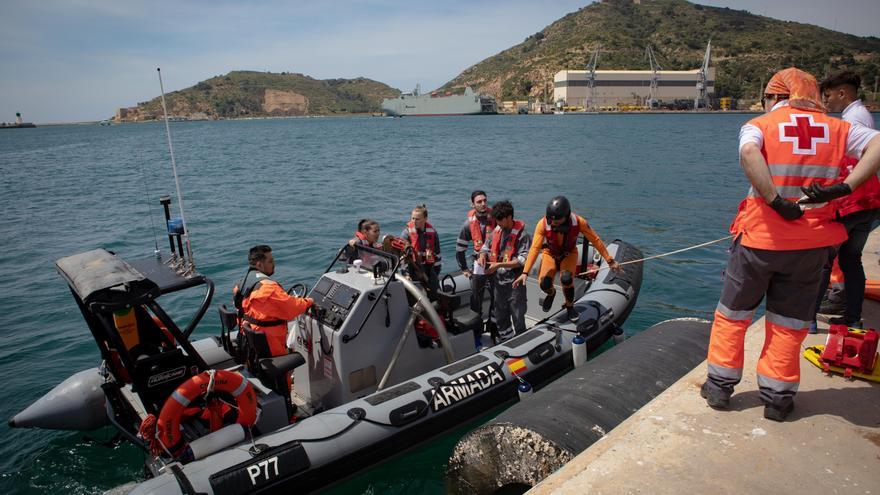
594 89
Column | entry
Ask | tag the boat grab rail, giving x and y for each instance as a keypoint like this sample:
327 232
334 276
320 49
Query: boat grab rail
395 264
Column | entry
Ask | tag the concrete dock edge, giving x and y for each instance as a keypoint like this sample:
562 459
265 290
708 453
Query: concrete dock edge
677 444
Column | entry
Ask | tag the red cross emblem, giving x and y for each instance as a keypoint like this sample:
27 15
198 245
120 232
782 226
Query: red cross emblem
803 134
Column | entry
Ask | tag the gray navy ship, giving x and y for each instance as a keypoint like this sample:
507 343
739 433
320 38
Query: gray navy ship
436 104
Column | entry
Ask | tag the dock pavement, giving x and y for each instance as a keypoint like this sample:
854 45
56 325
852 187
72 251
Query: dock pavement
829 444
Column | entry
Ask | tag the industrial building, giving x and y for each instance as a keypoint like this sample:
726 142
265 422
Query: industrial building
612 89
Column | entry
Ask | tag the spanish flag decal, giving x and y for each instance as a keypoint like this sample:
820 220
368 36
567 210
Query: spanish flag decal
517 366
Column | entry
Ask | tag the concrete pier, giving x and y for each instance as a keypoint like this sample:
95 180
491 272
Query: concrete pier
677 444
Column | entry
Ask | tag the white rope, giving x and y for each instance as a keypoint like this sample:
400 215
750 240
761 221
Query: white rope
210 382
665 254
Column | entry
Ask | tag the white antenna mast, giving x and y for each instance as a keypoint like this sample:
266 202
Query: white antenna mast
176 178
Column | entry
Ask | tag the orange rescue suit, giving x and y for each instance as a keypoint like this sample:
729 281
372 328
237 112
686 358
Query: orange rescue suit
267 302
568 260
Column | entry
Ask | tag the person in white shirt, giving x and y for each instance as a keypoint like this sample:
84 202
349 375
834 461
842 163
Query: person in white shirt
857 212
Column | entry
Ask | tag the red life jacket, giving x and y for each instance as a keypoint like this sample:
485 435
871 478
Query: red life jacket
478 235
569 239
363 238
495 250
865 197
425 257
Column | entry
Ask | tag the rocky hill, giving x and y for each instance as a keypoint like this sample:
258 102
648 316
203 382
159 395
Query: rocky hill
746 49
260 94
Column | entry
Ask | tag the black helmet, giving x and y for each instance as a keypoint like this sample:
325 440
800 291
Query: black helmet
558 207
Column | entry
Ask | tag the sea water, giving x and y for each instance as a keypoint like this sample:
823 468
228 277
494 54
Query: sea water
660 182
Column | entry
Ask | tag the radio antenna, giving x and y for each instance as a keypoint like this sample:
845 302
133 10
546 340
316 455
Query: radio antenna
174 169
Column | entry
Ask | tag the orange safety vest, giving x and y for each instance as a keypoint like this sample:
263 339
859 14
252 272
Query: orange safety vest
865 197
425 257
800 147
509 245
478 235
569 239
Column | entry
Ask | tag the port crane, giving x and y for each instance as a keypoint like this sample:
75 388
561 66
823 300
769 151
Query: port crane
702 100
655 77
591 79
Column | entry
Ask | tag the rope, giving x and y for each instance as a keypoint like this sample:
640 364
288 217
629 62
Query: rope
664 254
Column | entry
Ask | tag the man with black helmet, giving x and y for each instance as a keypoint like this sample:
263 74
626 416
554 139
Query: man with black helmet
556 238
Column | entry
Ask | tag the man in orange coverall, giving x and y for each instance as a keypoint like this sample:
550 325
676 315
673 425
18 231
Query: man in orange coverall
264 303
556 238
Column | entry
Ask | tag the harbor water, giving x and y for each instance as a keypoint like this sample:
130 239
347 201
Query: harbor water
661 182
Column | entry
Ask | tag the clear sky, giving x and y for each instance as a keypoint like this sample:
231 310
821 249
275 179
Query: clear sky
72 60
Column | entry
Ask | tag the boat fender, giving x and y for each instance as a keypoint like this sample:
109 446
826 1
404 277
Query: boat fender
524 389
578 350
618 335
216 441
234 384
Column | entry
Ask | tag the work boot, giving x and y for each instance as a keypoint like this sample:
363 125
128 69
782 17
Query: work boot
840 320
778 413
829 307
572 314
717 399
547 303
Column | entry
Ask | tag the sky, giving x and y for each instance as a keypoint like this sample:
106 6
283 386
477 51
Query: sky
80 60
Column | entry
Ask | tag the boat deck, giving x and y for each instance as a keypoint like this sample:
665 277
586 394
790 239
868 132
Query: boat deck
677 444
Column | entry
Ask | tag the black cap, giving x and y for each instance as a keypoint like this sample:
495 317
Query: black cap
558 207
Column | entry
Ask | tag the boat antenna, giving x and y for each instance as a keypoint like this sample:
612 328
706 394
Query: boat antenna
174 169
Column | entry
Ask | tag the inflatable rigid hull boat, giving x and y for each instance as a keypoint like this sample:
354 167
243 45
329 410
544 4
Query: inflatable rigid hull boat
377 369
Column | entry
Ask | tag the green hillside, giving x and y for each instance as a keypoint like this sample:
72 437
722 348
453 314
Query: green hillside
746 49
254 94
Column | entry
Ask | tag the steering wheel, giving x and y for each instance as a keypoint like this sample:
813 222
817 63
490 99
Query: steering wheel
298 290
451 279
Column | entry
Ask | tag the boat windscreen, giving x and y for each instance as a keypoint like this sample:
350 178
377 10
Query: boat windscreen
373 260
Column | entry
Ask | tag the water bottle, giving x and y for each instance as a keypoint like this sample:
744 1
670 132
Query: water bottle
578 351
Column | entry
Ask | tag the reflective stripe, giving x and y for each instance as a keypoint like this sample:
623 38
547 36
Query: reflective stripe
724 372
812 171
784 191
739 315
787 322
241 388
777 385
182 400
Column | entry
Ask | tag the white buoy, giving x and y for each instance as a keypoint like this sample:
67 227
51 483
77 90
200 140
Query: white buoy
524 390
578 351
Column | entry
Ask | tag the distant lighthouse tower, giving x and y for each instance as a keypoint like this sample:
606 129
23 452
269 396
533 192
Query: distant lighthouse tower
18 118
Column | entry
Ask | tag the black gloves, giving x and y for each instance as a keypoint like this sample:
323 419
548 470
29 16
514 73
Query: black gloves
821 194
788 210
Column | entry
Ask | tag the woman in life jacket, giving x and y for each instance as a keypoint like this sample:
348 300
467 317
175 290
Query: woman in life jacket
367 234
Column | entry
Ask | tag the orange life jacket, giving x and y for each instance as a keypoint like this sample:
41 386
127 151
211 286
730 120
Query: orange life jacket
425 257
362 237
800 147
865 197
569 239
478 234
495 250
